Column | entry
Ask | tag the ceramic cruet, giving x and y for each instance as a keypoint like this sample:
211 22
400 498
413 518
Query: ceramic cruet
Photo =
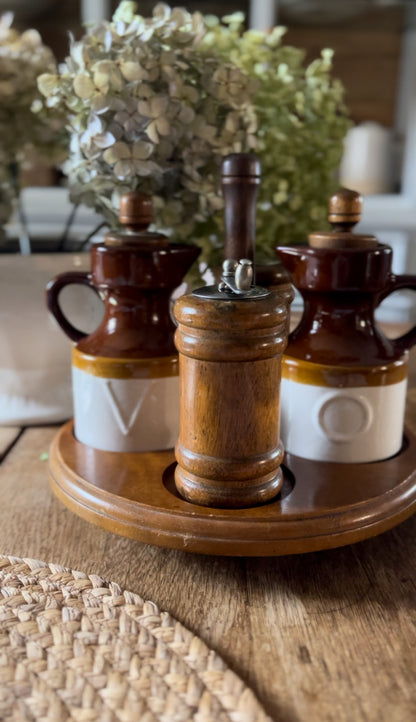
125 373
343 381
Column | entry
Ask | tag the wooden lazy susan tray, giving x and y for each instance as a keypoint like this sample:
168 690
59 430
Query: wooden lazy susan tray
321 505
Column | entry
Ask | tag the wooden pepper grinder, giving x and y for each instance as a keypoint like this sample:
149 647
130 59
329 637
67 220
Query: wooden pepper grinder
230 340
125 373
343 381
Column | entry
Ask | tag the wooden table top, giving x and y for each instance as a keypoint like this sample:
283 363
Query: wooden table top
324 636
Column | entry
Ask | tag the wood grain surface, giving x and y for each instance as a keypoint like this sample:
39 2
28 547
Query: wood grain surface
323 636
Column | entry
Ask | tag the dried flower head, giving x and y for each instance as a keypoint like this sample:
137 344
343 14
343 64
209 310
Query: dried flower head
301 122
155 103
22 58
151 109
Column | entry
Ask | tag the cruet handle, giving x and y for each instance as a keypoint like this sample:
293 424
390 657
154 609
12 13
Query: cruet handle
53 289
405 342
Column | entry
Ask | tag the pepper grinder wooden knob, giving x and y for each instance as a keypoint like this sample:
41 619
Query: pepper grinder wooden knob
241 175
230 349
344 211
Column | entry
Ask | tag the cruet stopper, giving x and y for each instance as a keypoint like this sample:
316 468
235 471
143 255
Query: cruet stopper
344 212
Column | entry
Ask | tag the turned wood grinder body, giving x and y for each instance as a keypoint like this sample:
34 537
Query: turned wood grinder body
230 349
230 340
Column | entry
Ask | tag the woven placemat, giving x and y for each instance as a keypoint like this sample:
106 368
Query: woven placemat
76 647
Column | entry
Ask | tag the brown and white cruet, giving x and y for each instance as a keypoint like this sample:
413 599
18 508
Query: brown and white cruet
125 373
343 380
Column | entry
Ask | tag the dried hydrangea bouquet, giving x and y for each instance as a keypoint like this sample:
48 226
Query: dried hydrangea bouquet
23 57
155 103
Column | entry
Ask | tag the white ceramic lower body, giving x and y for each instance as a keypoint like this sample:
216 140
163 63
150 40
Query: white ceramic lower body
348 425
126 414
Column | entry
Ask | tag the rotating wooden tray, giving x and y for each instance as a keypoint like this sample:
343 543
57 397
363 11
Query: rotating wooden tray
322 505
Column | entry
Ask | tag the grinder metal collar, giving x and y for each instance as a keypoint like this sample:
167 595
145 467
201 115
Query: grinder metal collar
236 283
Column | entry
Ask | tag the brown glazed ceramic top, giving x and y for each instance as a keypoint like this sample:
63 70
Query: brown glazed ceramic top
341 288
137 283
135 273
338 270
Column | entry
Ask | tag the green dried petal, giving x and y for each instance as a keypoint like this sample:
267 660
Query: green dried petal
77 55
158 105
101 103
162 125
144 108
236 18
133 71
179 16
125 11
161 11
142 150
83 87
104 140
274 37
47 83
124 169
121 150
186 115
152 133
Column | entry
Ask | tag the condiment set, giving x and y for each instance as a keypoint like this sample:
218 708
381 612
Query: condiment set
284 443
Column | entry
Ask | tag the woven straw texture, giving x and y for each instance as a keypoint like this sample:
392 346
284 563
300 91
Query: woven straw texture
75 647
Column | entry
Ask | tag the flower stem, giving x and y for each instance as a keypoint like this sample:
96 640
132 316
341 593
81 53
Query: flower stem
24 239
86 240
63 239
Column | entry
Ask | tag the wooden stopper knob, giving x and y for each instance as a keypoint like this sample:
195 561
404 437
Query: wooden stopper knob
229 451
241 176
345 207
136 211
344 211
136 214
